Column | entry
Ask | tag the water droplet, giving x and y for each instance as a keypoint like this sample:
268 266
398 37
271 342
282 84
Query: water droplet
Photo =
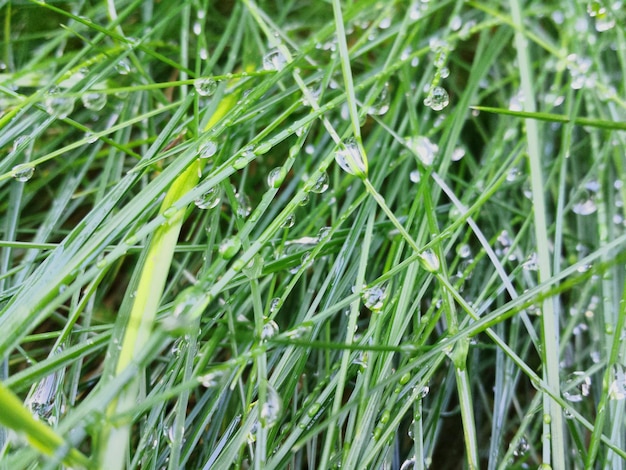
274 304
270 329
577 386
122 67
229 247
350 159
274 60
455 23
22 172
205 86
57 105
271 409
323 234
458 154
464 251
585 207
207 149
374 297
243 205
94 101
437 99
423 148
521 447
179 322
209 199
531 263
321 184
415 176
275 177
314 409
289 221
430 261
382 102
617 387
240 163
211 379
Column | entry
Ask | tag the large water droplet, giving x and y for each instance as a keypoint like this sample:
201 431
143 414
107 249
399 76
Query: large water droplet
122 67
430 261
274 60
209 199
207 149
577 386
350 159
270 329
57 105
271 409
22 172
205 86
374 297
321 184
94 101
275 177
423 148
437 99
585 206
230 247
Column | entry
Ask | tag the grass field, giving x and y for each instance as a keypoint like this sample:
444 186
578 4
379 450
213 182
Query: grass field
312 235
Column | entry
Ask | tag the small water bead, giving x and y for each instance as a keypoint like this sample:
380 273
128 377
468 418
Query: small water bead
276 177
321 184
444 72
617 387
94 101
197 28
531 263
209 199
350 159
585 207
207 149
464 251
430 261
415 176
275 304
314 410
122 67
205 86
323 233
289 221
577 386
437 99
269 330
521 447
240 163
22 172
274 60
382 102
229 247
374 297
57 105
423 148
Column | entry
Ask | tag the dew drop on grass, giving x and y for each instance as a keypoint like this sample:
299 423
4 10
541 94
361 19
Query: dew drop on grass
415 176
289 221
274 304
521 447
207 149
585 207
243 205
22 172
617 387
229 247
531 263
382 102
274 60
94 101
240 163
269 330
209 199
430 261
122 67
314 409
275 177
205 86
374 297
437 99
577 386
321 184
57 105
350 159
272 408
423 148
458 154
323 234
211 379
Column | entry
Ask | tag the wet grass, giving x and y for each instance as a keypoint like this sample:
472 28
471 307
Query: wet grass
344 234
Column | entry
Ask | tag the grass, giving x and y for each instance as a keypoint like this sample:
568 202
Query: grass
338 234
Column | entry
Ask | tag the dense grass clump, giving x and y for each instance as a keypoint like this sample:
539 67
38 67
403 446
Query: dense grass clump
322 234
